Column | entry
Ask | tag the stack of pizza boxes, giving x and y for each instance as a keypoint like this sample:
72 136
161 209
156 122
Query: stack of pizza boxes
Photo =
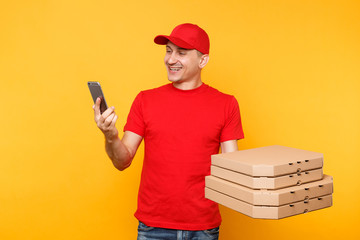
270 182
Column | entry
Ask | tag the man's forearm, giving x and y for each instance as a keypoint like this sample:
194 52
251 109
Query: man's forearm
118 153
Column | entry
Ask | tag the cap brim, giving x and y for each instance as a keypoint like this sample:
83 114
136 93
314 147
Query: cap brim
163 40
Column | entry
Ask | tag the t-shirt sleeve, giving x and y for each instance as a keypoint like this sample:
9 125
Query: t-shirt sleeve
232 129
135 121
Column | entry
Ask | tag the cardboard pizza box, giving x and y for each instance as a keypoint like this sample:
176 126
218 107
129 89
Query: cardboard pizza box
267 182
272 197
269 161
269 212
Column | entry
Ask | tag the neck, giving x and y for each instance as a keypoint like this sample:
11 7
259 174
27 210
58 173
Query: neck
188 84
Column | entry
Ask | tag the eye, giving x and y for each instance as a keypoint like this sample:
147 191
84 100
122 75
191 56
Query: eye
182 52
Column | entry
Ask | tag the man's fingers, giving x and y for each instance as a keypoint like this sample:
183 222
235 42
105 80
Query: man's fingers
109 119
114 121
107 123
96 108
108 112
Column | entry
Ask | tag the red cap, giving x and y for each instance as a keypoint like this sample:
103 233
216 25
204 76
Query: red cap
188 36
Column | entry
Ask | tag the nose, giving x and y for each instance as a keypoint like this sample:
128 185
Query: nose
172 59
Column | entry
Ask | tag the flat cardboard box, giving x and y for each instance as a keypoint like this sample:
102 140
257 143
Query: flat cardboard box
269 161
269 212
267 182
272 197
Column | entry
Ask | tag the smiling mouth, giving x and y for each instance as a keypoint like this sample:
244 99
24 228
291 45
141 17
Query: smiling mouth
175 69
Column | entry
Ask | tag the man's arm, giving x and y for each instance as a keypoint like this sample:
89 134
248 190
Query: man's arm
229 146
120 151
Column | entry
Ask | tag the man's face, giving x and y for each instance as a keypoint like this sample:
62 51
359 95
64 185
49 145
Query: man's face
182 64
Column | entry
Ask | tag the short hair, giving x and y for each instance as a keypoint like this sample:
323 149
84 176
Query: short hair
199 53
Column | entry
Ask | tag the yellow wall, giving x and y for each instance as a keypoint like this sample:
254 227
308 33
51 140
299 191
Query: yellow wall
292 65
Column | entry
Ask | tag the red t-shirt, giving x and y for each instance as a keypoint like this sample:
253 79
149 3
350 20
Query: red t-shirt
181 130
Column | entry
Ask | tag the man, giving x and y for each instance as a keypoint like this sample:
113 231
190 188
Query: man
182 123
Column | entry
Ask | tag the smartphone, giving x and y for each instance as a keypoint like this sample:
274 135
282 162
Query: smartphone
96 91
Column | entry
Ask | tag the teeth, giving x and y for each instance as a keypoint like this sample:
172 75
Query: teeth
175 69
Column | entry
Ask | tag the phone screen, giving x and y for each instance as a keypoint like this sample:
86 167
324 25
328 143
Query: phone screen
96 91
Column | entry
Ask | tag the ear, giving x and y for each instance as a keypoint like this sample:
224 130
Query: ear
203 60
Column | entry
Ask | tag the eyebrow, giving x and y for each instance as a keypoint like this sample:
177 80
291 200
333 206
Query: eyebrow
178 48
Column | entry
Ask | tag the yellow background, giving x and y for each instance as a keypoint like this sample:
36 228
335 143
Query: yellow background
294 67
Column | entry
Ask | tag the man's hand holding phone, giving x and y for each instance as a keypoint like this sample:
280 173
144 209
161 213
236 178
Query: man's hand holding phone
120 151
106 121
